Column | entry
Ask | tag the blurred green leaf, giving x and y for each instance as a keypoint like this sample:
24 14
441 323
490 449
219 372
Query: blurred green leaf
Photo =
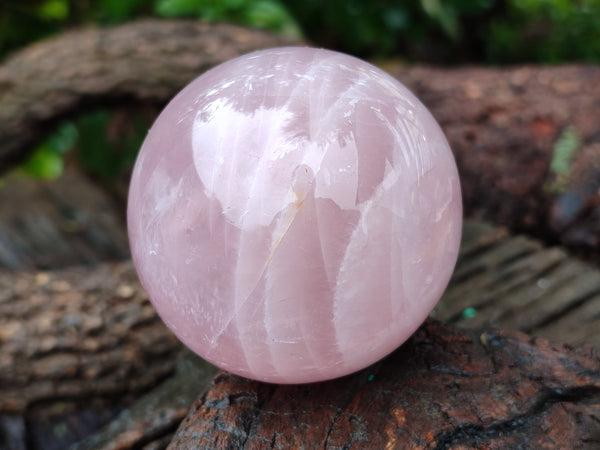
43 163
266 14
63 138
46 160
444 15
120 10
54 10
270 15
94 148
564 149
549 31
176 8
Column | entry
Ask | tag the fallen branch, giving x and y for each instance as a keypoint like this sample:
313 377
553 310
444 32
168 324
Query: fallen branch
144 61
442 389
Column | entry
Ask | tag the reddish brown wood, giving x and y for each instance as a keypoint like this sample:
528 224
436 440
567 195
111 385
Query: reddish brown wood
443 389
503 125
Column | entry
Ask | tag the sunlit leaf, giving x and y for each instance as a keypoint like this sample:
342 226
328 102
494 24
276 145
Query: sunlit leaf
564 149
44 163
272 15
46 160
54 10
177 8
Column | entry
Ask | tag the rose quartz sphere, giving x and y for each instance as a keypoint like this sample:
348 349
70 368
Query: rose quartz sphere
294 215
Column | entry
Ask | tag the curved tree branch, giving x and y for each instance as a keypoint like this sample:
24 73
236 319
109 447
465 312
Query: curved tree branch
148 60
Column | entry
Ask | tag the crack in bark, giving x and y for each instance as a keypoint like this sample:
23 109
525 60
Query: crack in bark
473 431
347 399
251 421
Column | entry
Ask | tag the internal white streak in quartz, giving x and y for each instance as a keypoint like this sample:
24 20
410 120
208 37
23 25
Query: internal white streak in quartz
309 223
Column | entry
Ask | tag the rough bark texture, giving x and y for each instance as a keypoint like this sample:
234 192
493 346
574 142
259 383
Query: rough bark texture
503 124
516 283
79 334
443 389
146 61
152 420
80 344
77 348
505 127
57 223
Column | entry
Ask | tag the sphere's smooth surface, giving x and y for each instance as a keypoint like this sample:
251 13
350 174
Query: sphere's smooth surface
294 214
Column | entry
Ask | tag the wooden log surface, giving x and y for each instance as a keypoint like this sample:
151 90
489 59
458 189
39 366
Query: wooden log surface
443 389
144 61
88 336
49 224
79 333
446 388
513 282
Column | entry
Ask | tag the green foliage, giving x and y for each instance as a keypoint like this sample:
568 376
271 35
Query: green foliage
266 14
442 31
423 29
564 149
24 22
44 164
46 160
563 152
547 31
102 151
103 155
121 10
53 10
493 31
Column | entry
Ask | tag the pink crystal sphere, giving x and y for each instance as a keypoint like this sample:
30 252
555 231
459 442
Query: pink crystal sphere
294 215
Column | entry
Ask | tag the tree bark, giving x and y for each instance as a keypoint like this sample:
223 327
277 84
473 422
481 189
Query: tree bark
516 283
144 61
443 389
49 224
505 125
79 334
88 340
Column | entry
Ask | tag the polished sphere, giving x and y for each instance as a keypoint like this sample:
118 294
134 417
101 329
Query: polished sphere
294 214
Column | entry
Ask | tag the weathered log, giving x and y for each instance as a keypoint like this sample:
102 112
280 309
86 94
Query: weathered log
153 418
503 124
145 61
516 283
49 224
443 389
78 334
87 339
77 347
